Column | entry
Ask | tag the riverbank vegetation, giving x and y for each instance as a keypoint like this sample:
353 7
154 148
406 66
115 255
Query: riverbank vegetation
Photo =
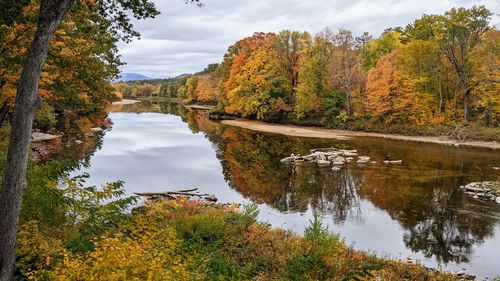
185 240
429 78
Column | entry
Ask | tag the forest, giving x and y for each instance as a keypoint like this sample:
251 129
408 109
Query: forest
438 70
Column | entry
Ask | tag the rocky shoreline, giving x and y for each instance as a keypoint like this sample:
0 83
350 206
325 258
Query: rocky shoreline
483 190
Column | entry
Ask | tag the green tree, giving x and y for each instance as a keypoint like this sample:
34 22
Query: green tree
289 47
191 85
313 80
458 32
375 49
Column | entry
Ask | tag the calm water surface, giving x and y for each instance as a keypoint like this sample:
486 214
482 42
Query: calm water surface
414 210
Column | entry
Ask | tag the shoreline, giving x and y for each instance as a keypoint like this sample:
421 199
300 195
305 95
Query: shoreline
318 132
125 102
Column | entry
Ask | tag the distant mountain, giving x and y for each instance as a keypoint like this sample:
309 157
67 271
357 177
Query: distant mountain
184 75
130 76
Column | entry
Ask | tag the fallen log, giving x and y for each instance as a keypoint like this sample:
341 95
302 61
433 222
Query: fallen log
170 193
176 194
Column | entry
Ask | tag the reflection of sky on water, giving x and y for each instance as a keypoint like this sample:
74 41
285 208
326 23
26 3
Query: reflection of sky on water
158 152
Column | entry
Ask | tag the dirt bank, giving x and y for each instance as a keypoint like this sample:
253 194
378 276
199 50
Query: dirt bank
317 132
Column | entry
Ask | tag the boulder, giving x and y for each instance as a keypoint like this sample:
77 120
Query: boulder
363 159
323 162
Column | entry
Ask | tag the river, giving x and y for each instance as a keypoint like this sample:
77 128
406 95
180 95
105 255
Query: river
414 210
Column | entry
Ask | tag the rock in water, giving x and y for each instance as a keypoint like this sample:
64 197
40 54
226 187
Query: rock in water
323 162
363 159
338 161
398 162
498 200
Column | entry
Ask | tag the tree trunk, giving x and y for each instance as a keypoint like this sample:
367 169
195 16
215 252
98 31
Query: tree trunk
27 103
3 112
465 93
441 108
348 102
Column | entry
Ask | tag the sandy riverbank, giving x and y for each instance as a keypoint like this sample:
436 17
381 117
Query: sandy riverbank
317 132
125 101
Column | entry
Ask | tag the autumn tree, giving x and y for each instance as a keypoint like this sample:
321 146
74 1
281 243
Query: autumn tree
289 47
485 79
51 12
393 94
423 61
344 67
191 84
313 80
255 85
375 49
206 89
457 32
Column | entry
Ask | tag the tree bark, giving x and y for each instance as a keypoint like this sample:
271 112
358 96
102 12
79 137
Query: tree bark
465 93
27 103
3 112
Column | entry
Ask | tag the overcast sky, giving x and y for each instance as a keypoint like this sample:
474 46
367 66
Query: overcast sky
185 38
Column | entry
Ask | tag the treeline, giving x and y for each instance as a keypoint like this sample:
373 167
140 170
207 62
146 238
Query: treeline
439 69
81 61
166 88
173 88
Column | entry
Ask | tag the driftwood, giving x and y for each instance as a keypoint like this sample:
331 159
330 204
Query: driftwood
177 194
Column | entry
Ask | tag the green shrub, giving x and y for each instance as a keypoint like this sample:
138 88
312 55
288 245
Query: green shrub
45 117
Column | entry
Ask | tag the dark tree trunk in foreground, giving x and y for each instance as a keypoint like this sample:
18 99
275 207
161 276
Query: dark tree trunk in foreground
27 103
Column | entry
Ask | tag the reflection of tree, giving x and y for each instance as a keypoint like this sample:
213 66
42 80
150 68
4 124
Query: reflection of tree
330 192
255 170
79 128
422 194
446 233
423 197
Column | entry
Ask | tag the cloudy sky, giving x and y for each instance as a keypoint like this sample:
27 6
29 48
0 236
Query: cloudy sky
185 38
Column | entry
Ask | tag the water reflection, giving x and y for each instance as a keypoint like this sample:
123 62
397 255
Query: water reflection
422 195
411 209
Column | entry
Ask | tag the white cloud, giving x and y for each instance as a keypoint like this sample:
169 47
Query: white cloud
185 38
